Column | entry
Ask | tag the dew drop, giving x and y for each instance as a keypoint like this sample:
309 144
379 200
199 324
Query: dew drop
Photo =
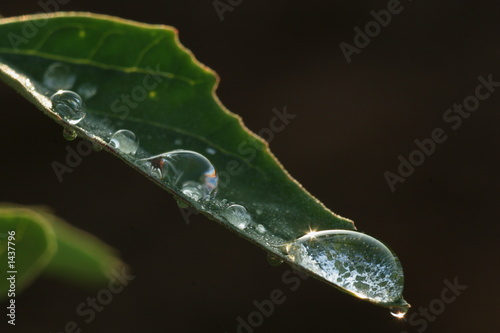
68 105
399 311
69 134
96 147
192 190
59 76
29 85
87 90
210 151
274 260
238 216
261 229
356 262
124 141
189 171
182 203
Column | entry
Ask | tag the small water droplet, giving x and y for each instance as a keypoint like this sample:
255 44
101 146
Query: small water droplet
352 260
399 311
59 76
182 203
274 260
124 141
28 84
238 216
187 170
87 90
178 142
68 105
210 151
192 190
261 229
96 147
69 134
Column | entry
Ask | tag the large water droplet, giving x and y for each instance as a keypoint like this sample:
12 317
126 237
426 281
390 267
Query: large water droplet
59 76
68 105
189 171
238 216
125 141
356 262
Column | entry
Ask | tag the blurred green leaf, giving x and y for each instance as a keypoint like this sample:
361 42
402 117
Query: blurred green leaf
44 244
28 242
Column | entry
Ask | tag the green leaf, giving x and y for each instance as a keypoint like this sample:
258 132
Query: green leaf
27 245
139 77
35 242
81 257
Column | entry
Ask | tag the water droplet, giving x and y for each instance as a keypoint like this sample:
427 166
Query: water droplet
125 141
356 262
189 171
274 260
59 76
238 216
28 84
261 229
87 90
399 311
178 142
68 105
69 134
192 190
182 203
96 147
210 151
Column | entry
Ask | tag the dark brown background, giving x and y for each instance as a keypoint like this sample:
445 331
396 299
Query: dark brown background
352 123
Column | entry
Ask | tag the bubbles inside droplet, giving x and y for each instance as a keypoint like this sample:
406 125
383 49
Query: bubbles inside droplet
356 262
274 260
189 171
69 134
124 141
238 216
68 105
59 76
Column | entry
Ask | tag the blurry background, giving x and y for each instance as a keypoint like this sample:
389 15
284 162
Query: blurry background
353 120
